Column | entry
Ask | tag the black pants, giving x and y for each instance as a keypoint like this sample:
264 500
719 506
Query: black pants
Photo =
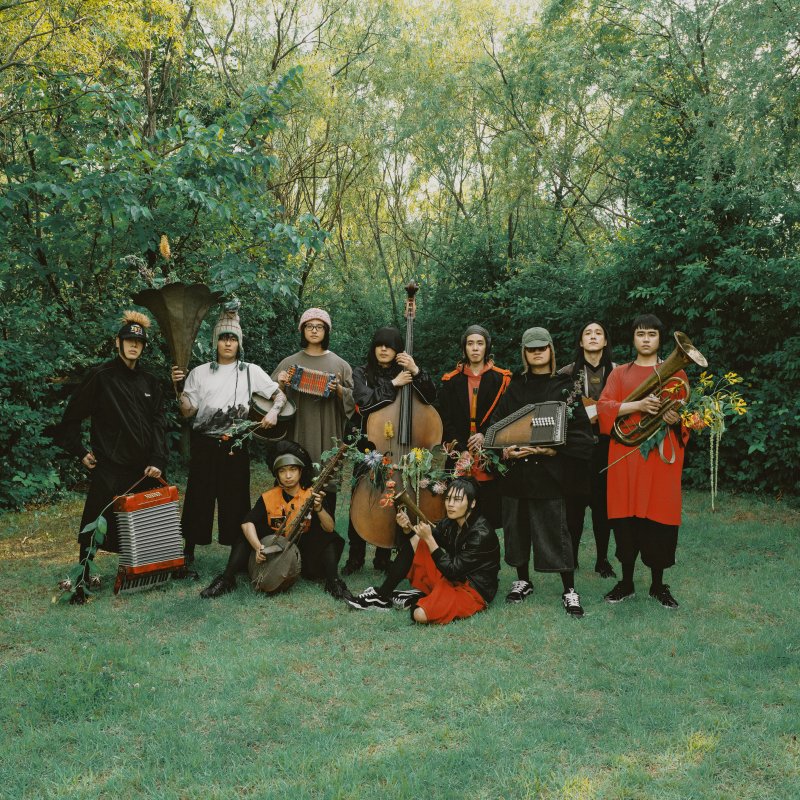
597 500
319 552
106 483
489 503
216 475
657 543
357 551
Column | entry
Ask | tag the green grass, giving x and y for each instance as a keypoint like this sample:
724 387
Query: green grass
163 695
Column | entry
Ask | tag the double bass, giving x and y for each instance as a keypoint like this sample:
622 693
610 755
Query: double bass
395 430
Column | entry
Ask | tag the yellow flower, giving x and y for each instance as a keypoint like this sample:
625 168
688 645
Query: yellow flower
706 379
163 247
388 430
418 455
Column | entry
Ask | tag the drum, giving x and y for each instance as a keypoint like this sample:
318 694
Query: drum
259 406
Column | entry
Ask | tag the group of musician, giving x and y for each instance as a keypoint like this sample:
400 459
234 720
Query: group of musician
452 566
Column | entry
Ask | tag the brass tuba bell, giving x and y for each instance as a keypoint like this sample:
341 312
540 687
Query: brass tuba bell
673 391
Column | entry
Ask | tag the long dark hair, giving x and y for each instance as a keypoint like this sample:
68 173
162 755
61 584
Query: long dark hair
605 358
469 488
391 338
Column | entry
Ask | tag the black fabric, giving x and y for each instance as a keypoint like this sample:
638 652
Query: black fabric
656 542
221 476
469 554
489 503
127 418
539 525
547 477
357 548
106 483
597 500
320 551
453 404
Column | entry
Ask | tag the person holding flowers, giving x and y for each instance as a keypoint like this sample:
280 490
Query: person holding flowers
644 484
375 385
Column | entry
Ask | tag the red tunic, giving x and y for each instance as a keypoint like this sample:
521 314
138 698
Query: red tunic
647 488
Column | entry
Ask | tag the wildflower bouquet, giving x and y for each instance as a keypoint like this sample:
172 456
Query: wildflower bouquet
711 405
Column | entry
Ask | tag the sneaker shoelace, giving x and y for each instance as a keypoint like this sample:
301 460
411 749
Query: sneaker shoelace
518 587
572 599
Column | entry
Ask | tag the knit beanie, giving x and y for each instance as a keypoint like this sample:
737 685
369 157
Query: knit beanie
228 322
480 331
314 313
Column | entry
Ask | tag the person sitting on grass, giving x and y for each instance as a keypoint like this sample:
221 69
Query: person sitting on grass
452 567
320 546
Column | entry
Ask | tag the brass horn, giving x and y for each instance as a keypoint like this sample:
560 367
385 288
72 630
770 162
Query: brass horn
179 309
672 391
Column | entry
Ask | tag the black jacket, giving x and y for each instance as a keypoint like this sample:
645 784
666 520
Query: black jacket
127 419
454 405
369 397
470 554
562 475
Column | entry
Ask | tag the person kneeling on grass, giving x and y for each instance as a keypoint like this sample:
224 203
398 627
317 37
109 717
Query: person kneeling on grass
320 546
452 567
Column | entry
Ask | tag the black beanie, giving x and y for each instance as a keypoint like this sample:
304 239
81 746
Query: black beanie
389 337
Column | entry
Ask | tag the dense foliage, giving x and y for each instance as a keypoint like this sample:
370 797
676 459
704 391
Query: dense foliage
588 160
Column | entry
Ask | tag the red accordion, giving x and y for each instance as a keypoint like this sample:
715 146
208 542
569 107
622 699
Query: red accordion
151 546
310 381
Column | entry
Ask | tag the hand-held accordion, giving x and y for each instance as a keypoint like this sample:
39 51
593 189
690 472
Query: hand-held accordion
151 547
310 381
534 425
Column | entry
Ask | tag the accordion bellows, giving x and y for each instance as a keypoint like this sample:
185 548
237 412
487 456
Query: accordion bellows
151 547
310 381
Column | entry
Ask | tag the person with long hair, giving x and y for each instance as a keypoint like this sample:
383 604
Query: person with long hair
375 384
644 492
452 566
590 369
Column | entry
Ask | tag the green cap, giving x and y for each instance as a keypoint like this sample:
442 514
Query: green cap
286 460
536 337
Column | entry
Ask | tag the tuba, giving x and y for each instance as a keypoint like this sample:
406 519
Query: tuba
672 391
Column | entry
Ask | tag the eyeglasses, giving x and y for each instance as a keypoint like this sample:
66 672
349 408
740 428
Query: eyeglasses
311 327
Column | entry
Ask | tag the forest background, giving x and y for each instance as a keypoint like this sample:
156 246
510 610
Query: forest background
529 164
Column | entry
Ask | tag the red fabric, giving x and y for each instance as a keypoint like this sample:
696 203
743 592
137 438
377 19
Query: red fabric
637 487
473 384
444 601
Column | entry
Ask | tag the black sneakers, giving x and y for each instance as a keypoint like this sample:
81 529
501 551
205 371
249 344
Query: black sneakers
406 598
338 590
519 591
619 593
218 587
572 603
664 596
369 600
604 569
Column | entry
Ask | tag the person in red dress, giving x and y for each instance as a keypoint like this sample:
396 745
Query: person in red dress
644 494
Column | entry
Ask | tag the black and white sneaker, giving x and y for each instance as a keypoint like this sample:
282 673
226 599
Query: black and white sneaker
572 603
406 598
619 593
664 596
368 600
519 591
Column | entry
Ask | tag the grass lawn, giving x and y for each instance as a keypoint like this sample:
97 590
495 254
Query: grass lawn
162 695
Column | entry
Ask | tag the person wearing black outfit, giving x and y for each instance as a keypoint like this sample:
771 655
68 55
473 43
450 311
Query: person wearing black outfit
468 396
452 567
127 435
320 546
540 478
375 385
591 368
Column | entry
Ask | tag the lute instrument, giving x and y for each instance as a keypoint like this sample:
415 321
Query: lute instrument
282 568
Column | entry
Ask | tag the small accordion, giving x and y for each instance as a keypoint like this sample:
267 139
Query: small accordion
310 381
534 425
151 547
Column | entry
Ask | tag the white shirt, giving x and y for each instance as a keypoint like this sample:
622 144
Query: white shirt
221 396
